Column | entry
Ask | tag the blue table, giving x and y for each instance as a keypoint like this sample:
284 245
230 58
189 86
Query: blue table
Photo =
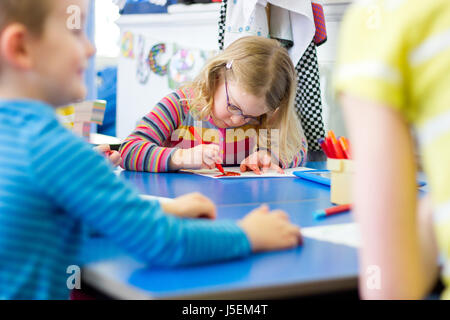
316 267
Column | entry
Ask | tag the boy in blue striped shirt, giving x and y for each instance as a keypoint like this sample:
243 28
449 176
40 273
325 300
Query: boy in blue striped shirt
53 186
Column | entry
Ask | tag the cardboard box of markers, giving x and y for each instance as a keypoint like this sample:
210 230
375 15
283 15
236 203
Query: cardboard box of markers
341 177
340 165
79 117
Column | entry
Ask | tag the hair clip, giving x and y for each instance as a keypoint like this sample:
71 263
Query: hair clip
229 64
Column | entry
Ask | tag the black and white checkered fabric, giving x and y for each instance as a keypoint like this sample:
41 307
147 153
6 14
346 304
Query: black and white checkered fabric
222 23
308 101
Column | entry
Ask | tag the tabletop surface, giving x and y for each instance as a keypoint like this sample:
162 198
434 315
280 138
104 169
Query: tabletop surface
315 267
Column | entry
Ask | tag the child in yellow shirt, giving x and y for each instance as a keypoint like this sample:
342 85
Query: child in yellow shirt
393 76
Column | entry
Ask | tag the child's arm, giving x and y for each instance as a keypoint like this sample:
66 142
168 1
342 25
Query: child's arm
142 150
385 205
67 171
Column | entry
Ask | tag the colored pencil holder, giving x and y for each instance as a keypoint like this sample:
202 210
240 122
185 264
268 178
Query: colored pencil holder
341 178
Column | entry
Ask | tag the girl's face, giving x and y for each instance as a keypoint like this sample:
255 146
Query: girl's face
61 54
250 105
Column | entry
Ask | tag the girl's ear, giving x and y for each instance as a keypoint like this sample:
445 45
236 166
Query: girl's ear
218 76
14 48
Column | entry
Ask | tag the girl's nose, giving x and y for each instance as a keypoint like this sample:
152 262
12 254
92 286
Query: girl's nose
236 120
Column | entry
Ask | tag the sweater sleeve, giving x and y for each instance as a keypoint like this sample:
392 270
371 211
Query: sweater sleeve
299 159
82 183
143 149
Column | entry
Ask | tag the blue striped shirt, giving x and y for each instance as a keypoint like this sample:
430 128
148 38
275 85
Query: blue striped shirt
54 188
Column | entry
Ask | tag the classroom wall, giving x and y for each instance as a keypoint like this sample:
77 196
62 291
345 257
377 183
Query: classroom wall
90 76
139 89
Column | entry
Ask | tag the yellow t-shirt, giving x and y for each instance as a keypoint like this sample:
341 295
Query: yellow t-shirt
397 52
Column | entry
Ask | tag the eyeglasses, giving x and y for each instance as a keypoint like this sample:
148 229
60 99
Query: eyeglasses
236 111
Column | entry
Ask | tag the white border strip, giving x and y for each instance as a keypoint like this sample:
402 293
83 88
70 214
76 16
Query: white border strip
372 69
430 48
434 129
442 213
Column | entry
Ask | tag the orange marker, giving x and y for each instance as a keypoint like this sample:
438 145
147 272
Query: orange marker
345 148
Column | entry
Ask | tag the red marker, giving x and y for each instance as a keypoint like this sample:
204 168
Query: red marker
330 148
320 214
336 146
323 145
200 140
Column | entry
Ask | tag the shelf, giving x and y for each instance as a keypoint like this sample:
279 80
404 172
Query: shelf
199 14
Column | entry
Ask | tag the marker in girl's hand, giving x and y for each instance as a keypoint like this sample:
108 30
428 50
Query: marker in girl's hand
200 140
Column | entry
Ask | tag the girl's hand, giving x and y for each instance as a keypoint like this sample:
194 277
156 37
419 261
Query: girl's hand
260 160
270 230
192 205
106 151
204 156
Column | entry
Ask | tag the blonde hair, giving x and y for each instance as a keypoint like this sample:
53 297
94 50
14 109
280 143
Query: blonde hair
262 68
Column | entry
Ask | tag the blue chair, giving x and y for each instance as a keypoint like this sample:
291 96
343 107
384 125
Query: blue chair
108 91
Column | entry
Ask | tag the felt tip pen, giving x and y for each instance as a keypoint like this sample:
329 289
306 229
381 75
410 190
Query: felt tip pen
320 214
200 140
345 147
335 145
330 148
323 145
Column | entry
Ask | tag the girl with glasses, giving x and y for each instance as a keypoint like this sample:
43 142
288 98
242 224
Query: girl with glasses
241 104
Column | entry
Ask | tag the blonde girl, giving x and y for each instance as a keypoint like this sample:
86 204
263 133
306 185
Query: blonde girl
242 105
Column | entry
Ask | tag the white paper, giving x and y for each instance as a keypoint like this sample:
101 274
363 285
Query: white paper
345 234
215 173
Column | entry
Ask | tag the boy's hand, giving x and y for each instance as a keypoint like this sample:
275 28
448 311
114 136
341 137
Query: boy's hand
203 156
270 230
192 205
260 160
106 151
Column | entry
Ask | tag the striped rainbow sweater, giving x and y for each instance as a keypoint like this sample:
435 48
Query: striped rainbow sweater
166 128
